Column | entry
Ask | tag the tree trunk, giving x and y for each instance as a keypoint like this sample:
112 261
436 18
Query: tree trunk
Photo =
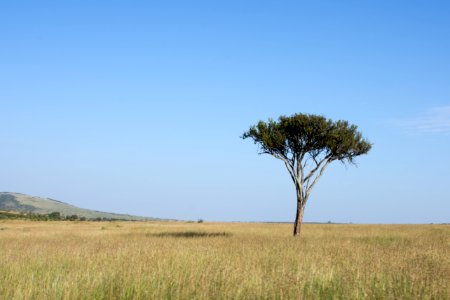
299 216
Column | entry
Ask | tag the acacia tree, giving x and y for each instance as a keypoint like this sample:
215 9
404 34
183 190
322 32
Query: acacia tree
307 144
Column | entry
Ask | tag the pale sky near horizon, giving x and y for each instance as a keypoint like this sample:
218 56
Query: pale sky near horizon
138 106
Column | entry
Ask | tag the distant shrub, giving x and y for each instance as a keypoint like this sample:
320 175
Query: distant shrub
73 218
55 215
200 221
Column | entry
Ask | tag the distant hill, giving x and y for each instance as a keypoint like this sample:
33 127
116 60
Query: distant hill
16 202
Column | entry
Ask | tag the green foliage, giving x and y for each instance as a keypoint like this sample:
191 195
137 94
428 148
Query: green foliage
72 218
299 135
54 216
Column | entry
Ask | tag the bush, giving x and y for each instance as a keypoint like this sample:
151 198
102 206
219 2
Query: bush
55 215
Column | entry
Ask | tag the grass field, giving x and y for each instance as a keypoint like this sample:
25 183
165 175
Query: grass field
176 260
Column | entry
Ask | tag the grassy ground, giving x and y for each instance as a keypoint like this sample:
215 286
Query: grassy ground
124 260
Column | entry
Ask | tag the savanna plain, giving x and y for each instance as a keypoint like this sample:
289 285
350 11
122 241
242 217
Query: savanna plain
178 260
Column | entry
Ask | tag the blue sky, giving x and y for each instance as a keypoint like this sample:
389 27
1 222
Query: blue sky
138 106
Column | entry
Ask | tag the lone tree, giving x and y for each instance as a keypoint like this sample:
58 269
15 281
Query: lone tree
307 144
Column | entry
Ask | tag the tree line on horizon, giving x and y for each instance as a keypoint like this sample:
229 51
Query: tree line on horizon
53 216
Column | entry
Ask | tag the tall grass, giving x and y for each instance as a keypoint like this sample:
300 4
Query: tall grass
156 260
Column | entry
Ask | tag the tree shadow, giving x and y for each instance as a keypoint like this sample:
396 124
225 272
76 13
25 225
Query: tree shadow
189 234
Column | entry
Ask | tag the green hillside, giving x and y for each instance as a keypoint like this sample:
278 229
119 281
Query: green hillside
16 202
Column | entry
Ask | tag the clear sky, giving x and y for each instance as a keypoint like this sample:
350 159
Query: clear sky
137 106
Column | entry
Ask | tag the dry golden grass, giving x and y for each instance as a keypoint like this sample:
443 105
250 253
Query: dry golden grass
159 260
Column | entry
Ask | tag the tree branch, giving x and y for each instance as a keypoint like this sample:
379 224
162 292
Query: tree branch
309 188
318 164
289 166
